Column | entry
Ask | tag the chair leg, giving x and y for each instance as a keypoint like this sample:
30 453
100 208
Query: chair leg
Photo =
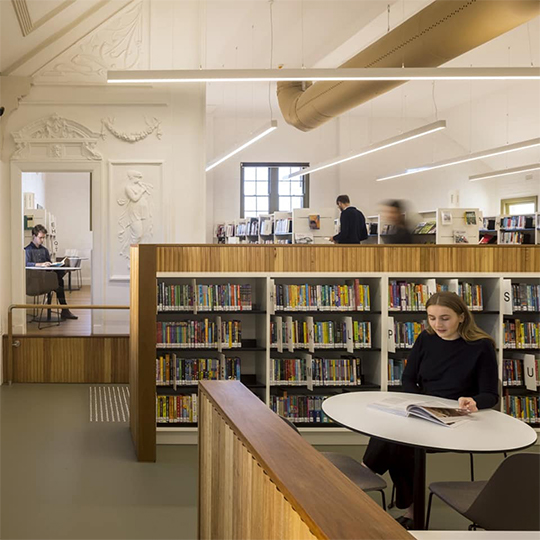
472 466
383 500
429 509
393 497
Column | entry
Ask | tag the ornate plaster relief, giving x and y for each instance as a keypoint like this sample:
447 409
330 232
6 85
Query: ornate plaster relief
55 138
153 126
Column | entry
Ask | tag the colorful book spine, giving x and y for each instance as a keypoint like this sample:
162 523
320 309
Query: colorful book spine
395 370
171 298
407 296
406 333
173 370
300 409
521 335
472 295
525 297
198 334
177 409
523 408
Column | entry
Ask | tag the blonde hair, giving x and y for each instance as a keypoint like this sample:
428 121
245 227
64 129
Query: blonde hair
467 329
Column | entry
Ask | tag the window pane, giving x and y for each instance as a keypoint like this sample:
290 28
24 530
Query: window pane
297 202
262 173
249 173
284 187
284 171
250 214
262 188
250 204
521 208
284 204
262 204
295 169
249 188
296 188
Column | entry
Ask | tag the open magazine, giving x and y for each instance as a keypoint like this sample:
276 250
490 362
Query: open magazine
59 263
429 409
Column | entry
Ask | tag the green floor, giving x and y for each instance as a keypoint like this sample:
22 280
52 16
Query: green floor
63 476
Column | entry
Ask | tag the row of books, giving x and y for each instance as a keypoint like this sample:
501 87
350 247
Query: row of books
283 226
199 334
472 295
177 409
395 370
514 237
326 334
522 407
525 297
521 335
517 222
409 296
176 371
425 227
513 374
216 297
305 297
324 371
405 333
283 241
300 409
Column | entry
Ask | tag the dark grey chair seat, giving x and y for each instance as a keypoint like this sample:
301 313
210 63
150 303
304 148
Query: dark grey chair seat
363 477
458 495
508 501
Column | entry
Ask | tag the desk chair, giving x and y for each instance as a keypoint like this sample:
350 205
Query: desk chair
40 284
363 477
508 501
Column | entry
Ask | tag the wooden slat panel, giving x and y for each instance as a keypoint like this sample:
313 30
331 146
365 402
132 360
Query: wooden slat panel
59 359
377 258
237 498
290 490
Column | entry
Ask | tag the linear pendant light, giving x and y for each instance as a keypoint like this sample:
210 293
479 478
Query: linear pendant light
531 143
259 134
505 172
322 74
393 141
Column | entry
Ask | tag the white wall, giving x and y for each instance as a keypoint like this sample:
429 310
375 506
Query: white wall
68 199
33 182
286 144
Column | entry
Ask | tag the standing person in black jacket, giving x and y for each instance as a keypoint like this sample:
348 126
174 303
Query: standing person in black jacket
453 359
352 223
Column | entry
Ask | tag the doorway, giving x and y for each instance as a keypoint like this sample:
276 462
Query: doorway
60 201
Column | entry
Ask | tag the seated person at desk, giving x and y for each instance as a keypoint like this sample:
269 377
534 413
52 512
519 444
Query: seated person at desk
38 255
453 359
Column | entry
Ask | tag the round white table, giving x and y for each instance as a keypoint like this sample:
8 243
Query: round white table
486 431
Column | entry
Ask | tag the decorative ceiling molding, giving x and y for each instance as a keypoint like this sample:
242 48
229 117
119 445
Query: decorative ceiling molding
25 19
154 125
55 138
117 42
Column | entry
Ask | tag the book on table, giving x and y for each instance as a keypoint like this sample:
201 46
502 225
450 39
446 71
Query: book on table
428 409
59 263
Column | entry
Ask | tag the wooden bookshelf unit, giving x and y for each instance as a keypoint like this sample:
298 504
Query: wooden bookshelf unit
276 318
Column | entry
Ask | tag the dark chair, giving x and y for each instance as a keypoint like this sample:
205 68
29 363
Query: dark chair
41 284
363 477
508 501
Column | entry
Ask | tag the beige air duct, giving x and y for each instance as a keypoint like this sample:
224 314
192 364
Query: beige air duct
440 32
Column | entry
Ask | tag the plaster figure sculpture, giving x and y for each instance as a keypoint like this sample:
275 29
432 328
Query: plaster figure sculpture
136 221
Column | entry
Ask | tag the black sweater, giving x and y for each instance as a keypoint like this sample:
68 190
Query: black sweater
452 369
352 227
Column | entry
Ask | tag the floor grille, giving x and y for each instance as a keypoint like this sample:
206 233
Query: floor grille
109 403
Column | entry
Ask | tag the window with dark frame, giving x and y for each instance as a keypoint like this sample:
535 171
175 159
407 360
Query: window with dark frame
265 188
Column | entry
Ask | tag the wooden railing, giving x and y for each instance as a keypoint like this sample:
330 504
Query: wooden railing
258 478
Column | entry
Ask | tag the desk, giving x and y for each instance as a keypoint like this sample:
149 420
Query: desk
487 431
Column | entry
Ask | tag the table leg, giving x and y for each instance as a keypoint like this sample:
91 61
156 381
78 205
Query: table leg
419 493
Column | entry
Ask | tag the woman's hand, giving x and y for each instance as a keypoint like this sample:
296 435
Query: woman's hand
467 404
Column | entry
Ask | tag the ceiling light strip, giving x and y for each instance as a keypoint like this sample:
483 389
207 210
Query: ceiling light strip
376 147
505 172
531 143
259 134
322 74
